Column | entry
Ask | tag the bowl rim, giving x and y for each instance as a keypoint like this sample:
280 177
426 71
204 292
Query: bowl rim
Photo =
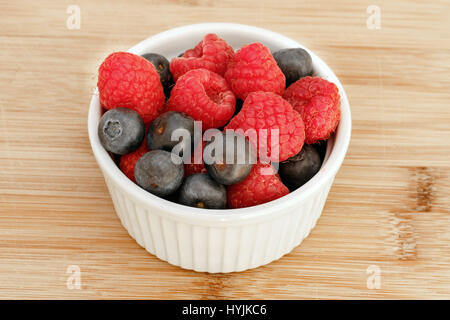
331 164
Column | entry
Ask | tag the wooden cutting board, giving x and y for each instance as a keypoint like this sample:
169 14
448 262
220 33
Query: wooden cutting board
385 229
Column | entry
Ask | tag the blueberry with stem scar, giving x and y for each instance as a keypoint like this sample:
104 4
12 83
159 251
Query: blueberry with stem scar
121 130
199 190
162 132
158 173
230 158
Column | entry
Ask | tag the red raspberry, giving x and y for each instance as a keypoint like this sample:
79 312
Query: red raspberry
317 100
259 187
128 161
266 110
254 69
205 96
212 53
192 168
130 81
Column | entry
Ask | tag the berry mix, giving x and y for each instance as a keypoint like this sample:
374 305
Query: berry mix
214 128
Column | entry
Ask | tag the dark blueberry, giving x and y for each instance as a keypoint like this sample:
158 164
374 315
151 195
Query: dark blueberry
321 147
297 170
115 157
160 132
173 197
162 67
159 172
121 130
168 90
239 104
199 190
230 159
295 63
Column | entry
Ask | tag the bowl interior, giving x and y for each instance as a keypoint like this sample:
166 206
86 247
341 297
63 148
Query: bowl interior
175 41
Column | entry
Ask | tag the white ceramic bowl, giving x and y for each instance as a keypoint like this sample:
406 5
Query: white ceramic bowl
221 240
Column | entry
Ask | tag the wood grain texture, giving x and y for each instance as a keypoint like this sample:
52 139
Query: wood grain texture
389 205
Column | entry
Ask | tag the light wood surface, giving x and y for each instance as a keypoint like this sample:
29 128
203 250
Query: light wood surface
389 205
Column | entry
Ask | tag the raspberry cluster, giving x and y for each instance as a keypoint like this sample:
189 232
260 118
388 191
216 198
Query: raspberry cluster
256 111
